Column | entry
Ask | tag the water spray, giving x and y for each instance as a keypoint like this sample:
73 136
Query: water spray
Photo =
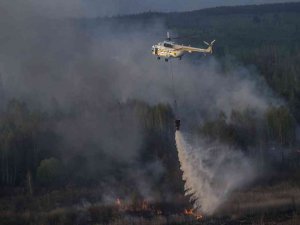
210 172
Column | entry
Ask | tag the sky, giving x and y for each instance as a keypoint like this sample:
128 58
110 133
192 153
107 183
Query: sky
96 8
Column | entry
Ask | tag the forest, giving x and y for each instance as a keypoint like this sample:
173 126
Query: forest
41 169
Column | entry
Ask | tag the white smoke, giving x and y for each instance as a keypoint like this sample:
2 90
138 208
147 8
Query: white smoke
90 70
211 173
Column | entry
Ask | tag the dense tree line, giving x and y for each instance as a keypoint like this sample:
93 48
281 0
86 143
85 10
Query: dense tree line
31 150
33 154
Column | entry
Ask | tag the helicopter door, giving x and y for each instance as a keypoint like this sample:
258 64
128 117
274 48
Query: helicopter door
156 51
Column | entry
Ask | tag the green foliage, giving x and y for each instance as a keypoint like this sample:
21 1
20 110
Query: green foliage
157 118
241 129
281 125
21 145
245 129
219 130
50 171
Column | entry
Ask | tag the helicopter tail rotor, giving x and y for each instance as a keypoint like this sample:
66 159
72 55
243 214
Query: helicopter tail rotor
209 49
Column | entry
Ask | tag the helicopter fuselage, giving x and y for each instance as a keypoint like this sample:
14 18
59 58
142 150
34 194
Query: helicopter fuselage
169 49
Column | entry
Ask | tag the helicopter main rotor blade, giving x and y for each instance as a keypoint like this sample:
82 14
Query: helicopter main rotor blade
187 36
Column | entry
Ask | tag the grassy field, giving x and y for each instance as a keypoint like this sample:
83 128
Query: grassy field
277 204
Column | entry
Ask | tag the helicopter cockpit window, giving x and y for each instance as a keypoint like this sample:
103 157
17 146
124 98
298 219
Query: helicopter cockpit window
167 45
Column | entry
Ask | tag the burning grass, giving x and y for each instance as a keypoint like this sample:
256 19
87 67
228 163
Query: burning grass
193 213
57 208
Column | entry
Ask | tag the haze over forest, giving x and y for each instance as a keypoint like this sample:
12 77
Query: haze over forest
100 8
87 113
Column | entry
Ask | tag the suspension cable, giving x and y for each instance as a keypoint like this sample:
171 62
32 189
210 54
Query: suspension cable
173 88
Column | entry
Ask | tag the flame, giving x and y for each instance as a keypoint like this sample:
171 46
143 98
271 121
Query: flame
118 202
192 212
145 205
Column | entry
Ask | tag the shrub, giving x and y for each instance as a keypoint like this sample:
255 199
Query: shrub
49 172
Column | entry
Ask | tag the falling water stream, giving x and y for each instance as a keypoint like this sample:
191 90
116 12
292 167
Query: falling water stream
211 173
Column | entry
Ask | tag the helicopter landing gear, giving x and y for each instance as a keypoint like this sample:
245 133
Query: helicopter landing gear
180 57
158 58
166 60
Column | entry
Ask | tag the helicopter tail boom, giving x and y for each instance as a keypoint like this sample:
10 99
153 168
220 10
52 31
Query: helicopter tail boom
209 49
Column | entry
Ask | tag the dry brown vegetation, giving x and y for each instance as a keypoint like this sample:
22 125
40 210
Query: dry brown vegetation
273 205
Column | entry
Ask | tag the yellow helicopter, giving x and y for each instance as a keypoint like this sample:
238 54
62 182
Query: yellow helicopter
169 49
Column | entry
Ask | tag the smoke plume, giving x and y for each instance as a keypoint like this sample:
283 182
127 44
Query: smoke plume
88 69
